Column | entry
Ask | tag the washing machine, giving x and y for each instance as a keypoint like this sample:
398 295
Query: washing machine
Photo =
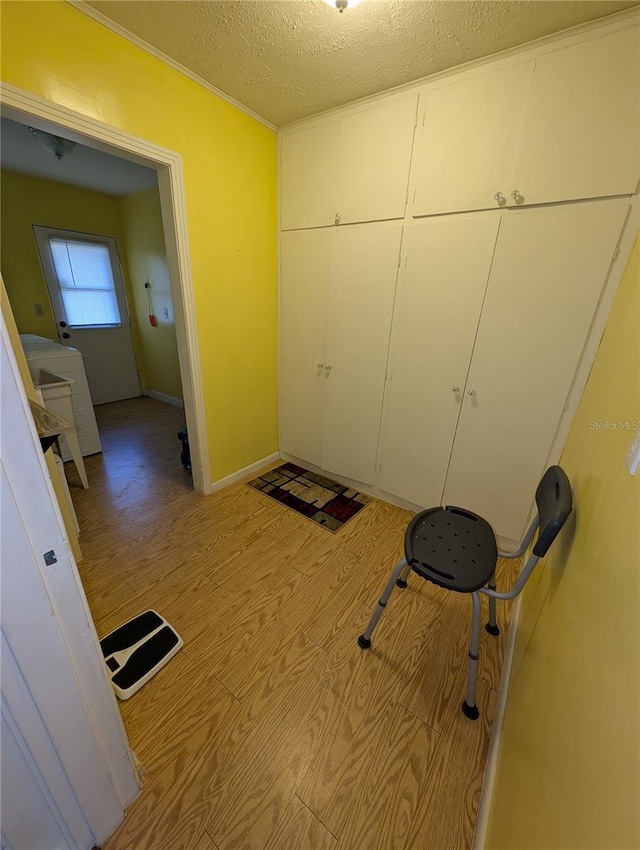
43 353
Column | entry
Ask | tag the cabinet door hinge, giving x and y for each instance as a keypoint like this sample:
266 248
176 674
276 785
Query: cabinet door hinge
616 254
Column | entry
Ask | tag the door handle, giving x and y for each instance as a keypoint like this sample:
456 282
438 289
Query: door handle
65 336
471 392
63 324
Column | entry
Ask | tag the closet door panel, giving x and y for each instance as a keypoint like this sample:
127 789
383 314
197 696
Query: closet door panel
581 134
437 313
375 156
469 141
364 268
309 177
305 261
548 272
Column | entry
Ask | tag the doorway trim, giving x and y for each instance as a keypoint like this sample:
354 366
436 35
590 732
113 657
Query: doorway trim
25 107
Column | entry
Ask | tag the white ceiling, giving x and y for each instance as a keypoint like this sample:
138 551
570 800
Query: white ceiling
288 59
83 167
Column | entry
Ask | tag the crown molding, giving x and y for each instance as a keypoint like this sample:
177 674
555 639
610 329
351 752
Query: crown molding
90 12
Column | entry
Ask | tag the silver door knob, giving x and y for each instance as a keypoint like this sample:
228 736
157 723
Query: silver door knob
455 389
471 392
500 198
517 197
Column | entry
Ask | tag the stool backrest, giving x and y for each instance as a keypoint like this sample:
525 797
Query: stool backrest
554 501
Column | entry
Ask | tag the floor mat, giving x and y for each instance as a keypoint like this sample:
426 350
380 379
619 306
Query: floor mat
320 499
135 651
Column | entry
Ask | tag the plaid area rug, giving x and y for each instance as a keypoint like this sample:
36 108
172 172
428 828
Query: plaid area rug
318 498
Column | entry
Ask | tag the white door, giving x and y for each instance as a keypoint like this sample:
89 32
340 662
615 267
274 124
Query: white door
364 266
547 275
440 299
468 141
84 279
581 134
375 157
309 177
304 284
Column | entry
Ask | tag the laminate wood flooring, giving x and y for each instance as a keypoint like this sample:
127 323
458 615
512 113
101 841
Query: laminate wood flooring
271 729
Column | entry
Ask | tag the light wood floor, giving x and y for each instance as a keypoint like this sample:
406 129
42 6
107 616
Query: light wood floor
271 729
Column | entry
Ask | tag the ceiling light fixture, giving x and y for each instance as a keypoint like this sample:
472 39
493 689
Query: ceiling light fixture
55 145
341 5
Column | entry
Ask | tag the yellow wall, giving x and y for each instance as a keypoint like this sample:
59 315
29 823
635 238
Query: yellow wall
568 773
26 201
146 259
229 159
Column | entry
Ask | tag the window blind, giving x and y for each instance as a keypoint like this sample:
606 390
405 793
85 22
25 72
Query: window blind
86 283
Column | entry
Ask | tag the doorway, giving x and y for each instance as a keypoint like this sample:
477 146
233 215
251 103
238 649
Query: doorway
83 275
59 121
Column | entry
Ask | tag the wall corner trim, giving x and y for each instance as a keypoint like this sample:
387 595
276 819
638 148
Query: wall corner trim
489 778
221 483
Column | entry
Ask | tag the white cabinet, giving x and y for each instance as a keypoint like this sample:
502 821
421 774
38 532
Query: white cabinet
349 170
564 127
305 258
581 132
547 273
440 297
337 290
469 140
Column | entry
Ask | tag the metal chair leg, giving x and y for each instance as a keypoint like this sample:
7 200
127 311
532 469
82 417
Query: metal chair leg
469 707
404 575
492 627
364 641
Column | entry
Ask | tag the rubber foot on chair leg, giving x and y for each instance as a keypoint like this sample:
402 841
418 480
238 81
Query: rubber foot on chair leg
470 711
363 642
401 583
493 630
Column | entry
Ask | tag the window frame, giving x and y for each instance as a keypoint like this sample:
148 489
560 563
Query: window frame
42 235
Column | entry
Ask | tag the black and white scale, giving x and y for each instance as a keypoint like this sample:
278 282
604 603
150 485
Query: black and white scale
137 650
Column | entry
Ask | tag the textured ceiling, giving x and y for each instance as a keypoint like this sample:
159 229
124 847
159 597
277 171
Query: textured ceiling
83 167
287 59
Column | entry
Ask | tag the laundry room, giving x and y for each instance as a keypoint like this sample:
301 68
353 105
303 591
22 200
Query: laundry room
85 270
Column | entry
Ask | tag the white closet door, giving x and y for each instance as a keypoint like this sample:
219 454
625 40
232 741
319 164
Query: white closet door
309 177
440 299
304 282
581 133
469 141
375 156
364 267
548 272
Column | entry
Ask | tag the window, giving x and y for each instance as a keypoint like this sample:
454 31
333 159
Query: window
85 278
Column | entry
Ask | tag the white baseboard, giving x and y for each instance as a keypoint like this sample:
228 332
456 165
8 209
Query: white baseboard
488 782
167 399
244 473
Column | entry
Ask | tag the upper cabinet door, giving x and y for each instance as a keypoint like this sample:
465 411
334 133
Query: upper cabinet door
580 137
469 140
309 177
305 259
375 157
349 170
364 267
436 317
